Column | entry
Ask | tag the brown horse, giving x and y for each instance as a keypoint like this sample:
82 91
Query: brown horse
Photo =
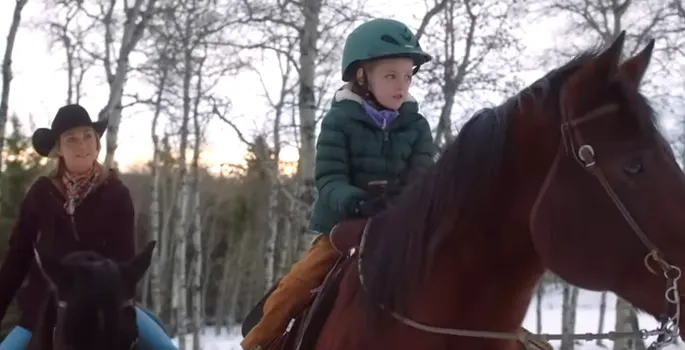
89 308
570 175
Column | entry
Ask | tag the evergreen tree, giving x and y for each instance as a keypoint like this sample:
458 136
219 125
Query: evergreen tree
22 167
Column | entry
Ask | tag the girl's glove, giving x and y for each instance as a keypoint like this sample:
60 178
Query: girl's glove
371 206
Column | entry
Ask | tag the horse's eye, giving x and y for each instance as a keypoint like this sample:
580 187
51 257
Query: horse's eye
633 167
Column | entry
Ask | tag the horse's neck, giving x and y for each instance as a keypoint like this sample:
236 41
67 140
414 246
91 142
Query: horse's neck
481 284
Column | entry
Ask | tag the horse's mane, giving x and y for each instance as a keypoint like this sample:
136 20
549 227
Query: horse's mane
401 239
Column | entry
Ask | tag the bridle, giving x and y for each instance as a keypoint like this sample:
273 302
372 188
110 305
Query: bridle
62 307
584 154
572 143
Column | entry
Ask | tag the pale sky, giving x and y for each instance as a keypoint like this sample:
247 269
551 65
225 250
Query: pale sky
39 85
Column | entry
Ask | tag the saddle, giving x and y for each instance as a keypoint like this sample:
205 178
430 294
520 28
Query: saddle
303 331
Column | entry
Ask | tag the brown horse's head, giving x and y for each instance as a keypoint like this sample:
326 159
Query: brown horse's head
95 308
609 215
571 174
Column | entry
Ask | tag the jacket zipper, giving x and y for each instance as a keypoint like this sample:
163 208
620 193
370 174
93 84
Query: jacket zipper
384 151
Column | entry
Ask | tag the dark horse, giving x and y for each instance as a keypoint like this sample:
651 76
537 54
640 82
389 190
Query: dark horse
90 307
570 175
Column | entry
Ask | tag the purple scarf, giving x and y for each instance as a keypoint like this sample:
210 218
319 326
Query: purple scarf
382 117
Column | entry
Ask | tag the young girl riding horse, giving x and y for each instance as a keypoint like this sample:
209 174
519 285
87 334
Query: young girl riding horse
372 133
80 206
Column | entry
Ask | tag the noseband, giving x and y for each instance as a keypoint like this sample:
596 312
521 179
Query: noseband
572 143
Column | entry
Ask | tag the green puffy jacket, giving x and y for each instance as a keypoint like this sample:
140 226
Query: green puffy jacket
353 150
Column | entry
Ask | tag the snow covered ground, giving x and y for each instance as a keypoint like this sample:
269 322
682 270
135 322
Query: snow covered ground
587 321
587 318
210 341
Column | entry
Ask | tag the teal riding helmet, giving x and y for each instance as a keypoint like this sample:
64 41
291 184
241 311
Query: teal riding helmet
380 38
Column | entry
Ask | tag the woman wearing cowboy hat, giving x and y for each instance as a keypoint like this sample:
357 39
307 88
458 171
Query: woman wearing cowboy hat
79 206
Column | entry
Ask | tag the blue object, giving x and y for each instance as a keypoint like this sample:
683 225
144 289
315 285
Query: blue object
17 339
151 335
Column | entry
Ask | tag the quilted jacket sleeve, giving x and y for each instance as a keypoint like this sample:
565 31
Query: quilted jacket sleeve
332 167
423 150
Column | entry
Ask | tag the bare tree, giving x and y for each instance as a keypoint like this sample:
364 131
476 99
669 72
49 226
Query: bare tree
184 39
539 294
65 30
590 22
109 23
568 315
602 315
136 19
627 321
7 71
195 266
289 25
476 42
603 20
163 64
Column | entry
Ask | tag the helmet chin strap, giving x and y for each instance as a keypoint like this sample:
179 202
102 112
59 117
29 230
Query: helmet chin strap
365 92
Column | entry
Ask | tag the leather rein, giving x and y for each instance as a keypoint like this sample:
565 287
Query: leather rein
573 143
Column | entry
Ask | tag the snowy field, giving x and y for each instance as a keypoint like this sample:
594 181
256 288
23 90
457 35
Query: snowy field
210 341
587 321
587 318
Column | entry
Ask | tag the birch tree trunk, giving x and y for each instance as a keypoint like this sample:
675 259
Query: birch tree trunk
311 10
210 226
239 264
196 272
626 321
224 305
539 294
265 207
137 19
169 198
7 73
602 315
180 289
155 212
285 234
179 284
568 315
195 265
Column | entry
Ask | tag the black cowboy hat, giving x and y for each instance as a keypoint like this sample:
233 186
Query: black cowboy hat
68 117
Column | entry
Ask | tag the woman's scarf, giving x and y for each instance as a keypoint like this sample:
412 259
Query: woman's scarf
77 186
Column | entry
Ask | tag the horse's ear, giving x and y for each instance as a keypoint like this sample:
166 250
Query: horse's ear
633 69
53 269
134 269
595 75
605 65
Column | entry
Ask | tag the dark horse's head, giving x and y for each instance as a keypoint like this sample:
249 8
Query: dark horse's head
572 174
94 296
